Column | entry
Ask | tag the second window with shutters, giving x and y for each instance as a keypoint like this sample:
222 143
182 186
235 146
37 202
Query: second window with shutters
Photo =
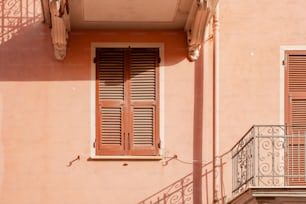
295 117
127 101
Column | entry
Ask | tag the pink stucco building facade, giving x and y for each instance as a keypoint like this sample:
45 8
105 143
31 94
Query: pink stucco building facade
48 109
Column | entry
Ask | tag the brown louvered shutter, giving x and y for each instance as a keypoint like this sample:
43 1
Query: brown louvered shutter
110 74
143 84
295 108
127 101
296 163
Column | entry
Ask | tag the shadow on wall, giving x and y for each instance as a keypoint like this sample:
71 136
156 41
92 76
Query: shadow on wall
26 51
17 14
181 190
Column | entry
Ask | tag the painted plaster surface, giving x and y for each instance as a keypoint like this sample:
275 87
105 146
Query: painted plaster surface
45 121
251 91
45 104
251 39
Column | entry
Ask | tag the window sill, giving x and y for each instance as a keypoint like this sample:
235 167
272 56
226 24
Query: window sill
94 158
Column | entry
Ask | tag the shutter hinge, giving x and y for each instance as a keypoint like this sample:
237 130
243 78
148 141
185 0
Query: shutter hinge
158 60
158 145
284 62
94 144
95 60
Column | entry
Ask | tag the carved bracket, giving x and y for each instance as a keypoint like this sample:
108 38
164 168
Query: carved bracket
56 15
195 27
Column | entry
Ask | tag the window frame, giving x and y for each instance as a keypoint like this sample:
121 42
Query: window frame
282 84
93 154
291 95
287 107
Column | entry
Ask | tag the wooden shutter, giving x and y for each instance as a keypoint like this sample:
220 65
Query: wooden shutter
296 90
298 114
295 108
296 63
110 75
144 75
127 101
296 164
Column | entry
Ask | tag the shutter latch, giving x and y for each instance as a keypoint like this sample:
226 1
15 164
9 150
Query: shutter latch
94 144
95 60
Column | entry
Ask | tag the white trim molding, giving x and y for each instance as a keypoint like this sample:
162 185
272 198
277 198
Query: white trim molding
283 49
95 45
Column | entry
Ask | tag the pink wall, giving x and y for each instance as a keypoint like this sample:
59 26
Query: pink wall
251 36
45 121
45 104
251 40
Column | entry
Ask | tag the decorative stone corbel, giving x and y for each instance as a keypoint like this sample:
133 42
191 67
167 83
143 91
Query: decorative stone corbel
195 27
60 22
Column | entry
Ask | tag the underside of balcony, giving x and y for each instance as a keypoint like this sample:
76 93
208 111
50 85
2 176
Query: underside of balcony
192 16
271 195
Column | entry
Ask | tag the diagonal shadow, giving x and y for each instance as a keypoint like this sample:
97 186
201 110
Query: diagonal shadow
15 15
178 192
181 191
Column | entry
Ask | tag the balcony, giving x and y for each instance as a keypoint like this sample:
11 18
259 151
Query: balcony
269 165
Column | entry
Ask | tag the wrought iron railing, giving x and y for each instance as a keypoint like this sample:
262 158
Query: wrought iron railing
269 155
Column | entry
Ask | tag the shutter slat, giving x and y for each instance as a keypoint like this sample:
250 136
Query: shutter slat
143 126
298 115
111 126
111 74
143 76
297 73
296 164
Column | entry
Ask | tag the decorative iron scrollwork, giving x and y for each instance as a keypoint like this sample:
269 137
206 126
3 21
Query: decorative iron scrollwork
264 156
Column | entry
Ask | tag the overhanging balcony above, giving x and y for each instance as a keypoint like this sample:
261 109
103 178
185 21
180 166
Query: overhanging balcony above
188 15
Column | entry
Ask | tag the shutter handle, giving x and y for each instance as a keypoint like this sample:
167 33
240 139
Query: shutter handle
129 145
124 145
128 140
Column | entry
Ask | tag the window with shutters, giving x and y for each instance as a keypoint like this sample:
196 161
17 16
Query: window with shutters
127 101
295 114
296 89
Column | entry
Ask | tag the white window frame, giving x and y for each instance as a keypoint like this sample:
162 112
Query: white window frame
95 45
282 66
283 49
